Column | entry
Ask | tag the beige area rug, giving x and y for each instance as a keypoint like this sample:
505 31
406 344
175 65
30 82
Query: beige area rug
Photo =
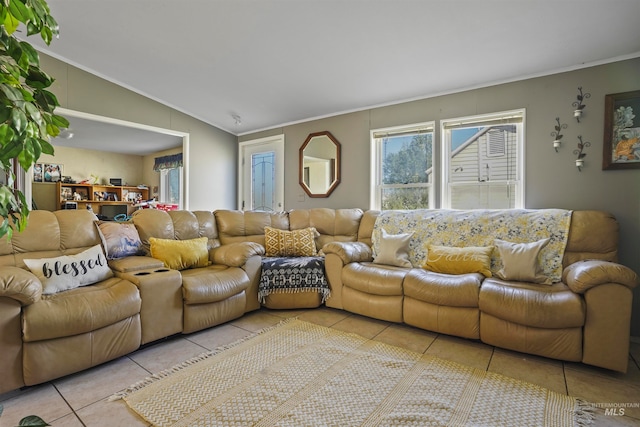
301 374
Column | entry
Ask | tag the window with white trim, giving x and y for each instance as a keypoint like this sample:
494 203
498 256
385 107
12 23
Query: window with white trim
480 164
482 161
403 167
170 186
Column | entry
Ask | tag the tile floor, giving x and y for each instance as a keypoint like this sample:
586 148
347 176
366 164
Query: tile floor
83 399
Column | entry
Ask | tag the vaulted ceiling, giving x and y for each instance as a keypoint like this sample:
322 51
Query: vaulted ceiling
247 65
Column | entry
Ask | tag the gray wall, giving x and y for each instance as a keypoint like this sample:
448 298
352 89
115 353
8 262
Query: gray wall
212 152
552 180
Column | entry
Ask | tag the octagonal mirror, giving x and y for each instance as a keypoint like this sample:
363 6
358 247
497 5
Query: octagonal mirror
319 164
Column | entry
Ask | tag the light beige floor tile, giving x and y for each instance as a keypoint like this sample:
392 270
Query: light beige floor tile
218 336
256 320
111 413
460 350
404 336
156 358
286 314
541 371
70 420
634 350
608 420
41 400
360 325
100 382
324 316
599 387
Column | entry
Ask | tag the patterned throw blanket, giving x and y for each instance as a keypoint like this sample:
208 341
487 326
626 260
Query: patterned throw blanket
292 274
479 228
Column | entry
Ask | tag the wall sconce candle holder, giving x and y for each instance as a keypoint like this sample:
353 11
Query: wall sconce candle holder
557 136
580 152
578 105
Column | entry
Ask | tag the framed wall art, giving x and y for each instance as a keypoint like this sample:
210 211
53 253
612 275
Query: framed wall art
37 172
621 131
52 172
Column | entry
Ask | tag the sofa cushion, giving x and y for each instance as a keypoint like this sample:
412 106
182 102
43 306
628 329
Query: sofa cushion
212 284
452 260
119 239
552 307
80 310
70 271
393 249
180 254
279 243
520 261
443 289
375 279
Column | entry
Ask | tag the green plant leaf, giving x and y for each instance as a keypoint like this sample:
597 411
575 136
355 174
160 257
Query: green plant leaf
12 94
46 35
60 121
11 150
32 421
31 53
46 147
19 120
6 134
33 112
10 24
20 11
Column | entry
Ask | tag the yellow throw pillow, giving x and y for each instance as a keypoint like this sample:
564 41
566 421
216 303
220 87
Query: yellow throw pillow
451 260
180 254
290 243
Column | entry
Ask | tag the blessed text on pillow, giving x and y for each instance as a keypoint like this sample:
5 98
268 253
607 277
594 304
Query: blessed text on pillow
70 271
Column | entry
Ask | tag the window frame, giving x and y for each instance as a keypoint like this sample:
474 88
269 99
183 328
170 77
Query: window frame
518 117
163 193
377 187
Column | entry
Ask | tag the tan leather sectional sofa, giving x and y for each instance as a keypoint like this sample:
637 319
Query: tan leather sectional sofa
585 318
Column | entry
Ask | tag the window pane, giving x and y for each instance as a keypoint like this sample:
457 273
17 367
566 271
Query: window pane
407 159
263 181
405 198
483 196
173 181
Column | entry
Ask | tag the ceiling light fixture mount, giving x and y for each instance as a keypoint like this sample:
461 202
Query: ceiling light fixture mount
237 119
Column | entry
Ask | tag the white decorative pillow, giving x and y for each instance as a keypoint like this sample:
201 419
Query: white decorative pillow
70 271
393 249
520 261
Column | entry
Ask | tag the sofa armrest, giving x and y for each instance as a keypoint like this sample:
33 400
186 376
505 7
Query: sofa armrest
349 251
235 254
20 285
584 275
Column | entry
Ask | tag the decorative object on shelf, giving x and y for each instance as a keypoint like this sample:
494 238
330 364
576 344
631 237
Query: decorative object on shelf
557 136
621 148
578 105
580 152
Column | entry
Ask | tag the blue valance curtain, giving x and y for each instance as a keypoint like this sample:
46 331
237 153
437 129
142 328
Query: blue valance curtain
168 162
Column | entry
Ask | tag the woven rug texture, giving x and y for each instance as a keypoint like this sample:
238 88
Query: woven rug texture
301 374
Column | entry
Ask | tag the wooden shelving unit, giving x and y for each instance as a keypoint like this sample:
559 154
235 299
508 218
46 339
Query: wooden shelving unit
97 195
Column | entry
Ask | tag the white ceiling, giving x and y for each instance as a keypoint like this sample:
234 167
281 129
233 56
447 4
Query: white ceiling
276 62
92 134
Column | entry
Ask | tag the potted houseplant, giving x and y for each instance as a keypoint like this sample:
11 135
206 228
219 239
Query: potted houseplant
27 118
